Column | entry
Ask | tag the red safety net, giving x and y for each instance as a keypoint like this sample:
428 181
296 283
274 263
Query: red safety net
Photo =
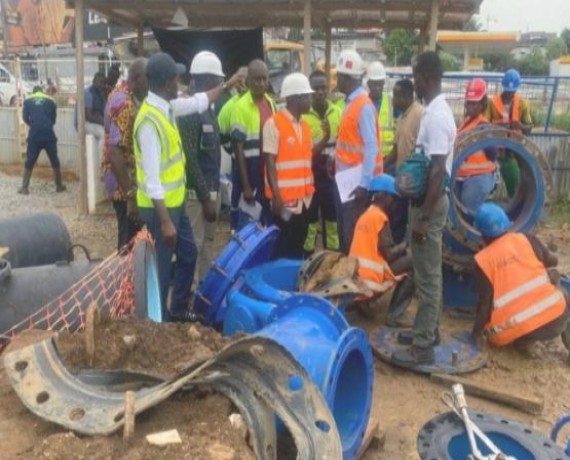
110 285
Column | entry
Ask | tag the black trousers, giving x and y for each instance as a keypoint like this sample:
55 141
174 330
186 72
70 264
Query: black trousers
292 236
36 145
126 228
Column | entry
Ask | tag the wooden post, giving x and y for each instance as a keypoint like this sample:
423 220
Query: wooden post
328 50
80 101
5 28
20 128
422 41
140 40
433 23
307 37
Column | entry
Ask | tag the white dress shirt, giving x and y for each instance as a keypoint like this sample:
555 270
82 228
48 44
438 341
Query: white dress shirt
149 140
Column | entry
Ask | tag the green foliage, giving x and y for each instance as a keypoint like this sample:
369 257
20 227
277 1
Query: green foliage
473 25
555 48
498 62
534 63
399 47
565 35
449 62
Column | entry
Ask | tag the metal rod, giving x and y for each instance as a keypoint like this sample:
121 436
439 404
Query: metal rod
551 105
328 50
80 101
433 23
307 37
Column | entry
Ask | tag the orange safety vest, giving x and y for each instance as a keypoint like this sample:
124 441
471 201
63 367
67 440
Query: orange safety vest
349 144
500 107
373 269
477 164
293 160
524 299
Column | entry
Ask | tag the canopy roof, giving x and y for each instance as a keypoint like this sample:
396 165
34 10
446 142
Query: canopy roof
386 14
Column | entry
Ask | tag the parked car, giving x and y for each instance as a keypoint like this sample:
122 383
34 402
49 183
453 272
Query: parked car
8 88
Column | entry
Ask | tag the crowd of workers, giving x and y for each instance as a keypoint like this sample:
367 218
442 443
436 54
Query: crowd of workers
314 166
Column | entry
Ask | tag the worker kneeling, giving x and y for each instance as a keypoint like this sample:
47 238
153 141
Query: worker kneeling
520 298
381 263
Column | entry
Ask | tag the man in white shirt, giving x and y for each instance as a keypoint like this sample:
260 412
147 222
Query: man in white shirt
161 177
428 216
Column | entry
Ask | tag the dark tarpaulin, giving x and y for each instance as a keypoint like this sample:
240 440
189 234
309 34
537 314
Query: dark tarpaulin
235 48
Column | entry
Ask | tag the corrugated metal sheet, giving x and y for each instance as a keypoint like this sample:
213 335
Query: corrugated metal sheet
8 134
556 148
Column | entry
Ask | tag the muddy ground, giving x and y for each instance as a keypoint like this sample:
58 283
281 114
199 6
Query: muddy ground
405 400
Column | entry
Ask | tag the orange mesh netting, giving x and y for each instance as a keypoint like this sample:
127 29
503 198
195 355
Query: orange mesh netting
110 285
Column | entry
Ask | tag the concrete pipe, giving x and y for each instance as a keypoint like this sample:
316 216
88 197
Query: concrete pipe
35 239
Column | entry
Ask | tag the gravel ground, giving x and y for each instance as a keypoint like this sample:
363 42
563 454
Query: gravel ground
97 231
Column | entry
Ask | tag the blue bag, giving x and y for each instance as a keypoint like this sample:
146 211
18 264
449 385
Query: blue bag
412 175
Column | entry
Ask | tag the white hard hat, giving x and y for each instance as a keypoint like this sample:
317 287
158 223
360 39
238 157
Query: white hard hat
295 84
349 62
206 62
376 71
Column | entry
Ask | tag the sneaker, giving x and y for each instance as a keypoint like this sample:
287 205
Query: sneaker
407 338
186 317
413 356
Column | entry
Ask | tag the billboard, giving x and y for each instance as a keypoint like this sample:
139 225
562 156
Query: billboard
37 22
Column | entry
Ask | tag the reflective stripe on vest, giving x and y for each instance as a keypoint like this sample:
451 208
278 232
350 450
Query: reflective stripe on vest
497 101
349 144
373 269
386 124
476 164
293 160
524 299
172 161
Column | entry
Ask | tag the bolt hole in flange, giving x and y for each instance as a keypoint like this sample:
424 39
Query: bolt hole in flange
295 383
42 397
21 366
323 426
77 414
119 417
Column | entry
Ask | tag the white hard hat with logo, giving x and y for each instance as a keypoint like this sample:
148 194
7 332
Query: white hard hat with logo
376 71
349 62
295 84
206 62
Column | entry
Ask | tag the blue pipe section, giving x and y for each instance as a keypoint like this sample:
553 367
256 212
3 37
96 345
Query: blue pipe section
558 426
337 357
272 282
245 314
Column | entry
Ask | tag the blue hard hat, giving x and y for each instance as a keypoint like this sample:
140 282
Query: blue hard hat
491 220
511 81
383 183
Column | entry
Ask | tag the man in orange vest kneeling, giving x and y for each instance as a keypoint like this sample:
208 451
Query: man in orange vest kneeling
381 263
520 298
287 151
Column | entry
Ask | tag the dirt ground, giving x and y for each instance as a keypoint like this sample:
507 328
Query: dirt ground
405 401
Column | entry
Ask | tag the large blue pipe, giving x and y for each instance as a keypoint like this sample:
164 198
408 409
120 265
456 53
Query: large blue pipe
337 357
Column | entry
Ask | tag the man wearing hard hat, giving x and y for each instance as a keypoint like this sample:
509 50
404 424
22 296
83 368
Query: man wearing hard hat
358 143
201 142
475 177
376 74
287 151
510 111
520 298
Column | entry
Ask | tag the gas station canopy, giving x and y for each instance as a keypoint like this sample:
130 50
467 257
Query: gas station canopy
385 14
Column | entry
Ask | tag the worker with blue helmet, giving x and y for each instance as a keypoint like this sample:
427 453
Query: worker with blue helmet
520 298
382 264
510 111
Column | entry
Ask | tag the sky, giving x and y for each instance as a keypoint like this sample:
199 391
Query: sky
525 15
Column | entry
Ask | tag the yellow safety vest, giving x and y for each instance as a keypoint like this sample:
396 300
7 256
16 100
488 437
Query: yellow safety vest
172 160
386 122
333 115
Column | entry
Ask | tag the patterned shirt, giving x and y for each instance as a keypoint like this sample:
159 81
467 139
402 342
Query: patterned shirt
120 114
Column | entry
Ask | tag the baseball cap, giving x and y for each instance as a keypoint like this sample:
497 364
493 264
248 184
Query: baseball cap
161 67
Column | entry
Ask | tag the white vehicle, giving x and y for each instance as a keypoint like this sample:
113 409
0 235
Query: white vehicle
8 90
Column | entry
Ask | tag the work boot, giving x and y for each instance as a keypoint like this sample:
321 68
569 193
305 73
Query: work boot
407 338
413 356
401 300
24 190
59 187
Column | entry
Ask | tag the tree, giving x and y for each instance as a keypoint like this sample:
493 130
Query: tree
499 62
399 47
565 35
448 62
555 48
473 25
534 63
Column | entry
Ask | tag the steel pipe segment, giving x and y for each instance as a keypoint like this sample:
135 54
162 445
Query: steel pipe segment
524 209
338 358
557 428
444 438
35 239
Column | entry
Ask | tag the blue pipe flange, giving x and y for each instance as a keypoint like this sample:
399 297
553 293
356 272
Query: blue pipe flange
251 246
525 208
444 438
337 357
561 423
273 281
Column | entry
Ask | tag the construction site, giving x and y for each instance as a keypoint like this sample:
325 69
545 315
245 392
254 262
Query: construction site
396 287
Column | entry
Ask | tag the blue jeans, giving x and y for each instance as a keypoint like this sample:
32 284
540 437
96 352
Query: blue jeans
475 190
186 255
